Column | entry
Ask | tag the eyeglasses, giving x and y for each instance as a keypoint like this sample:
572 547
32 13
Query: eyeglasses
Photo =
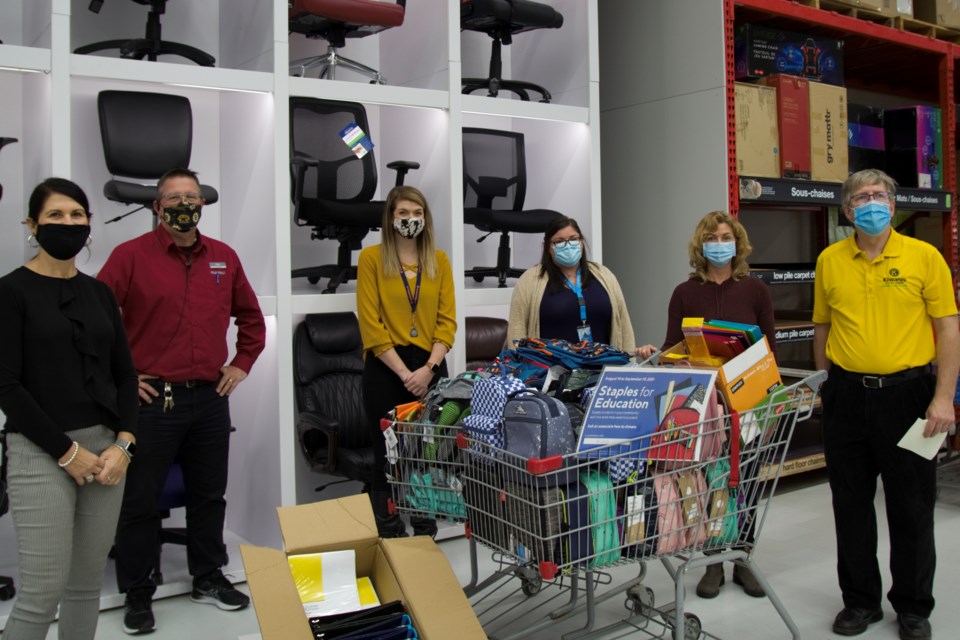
192 198
863 198
560 244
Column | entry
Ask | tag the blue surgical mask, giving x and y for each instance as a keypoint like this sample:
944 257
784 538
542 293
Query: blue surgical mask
568 255
872 218
719 254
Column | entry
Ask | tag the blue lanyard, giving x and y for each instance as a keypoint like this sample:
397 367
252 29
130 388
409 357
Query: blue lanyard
578 291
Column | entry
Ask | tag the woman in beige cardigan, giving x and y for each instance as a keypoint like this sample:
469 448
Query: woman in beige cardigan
568 297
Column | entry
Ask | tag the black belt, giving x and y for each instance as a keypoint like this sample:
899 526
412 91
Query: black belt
184 384
871 381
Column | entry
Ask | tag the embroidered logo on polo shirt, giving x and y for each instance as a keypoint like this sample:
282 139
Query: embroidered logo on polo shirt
894 279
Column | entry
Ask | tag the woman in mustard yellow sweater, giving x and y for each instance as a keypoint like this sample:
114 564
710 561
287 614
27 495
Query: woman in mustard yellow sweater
407 312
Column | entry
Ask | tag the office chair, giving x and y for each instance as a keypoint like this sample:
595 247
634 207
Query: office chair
501 19
332 426
173 496
494 188
335 21
4 142
145 135
485 339
333 189
151 45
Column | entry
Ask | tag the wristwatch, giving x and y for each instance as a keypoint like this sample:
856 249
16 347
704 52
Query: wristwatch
434 368
127 447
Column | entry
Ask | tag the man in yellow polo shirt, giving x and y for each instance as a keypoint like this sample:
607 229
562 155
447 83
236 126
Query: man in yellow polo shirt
884 309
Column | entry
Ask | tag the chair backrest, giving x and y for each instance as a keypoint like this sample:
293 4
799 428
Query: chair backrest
315 132
144 134
494 169
328 373
485 339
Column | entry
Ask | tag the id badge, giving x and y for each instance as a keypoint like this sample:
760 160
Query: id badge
583 332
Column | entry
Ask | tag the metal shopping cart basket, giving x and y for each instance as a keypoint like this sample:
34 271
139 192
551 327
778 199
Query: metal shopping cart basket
562 525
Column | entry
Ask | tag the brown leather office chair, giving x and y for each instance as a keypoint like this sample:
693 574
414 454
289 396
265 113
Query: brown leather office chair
485 337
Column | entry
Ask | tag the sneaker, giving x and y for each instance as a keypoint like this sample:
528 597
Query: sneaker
216 590
138 613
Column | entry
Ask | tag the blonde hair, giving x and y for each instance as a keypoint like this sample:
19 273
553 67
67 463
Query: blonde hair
707 225
426 250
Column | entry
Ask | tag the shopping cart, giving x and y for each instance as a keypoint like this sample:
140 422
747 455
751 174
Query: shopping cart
562 524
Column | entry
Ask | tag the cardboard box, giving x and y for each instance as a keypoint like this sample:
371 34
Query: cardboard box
891 8
758 138
945 13
750 377
828 132
793 122
760 51
914 141
865 137
413 570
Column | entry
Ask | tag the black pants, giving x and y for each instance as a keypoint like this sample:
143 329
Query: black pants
382 391
195 432
861 428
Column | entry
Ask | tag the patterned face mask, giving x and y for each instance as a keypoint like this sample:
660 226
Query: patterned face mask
408 227
183 216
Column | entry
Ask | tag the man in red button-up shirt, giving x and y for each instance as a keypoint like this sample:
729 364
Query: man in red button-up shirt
178 290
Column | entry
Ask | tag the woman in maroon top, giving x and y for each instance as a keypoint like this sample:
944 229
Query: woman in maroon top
720 288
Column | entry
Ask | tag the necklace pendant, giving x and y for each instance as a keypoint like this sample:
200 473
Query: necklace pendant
413 332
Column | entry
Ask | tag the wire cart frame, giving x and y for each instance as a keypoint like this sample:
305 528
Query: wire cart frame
566 521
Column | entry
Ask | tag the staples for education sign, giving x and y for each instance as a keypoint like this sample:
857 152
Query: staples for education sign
658 412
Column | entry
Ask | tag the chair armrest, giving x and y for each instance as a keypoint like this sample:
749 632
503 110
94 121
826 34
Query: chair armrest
299 164
402 167
319 438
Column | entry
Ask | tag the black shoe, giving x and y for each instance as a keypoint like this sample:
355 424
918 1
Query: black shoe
913 627
214 589
852 622
138 613
423 526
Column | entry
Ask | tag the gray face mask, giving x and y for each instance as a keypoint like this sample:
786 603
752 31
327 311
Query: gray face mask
408 227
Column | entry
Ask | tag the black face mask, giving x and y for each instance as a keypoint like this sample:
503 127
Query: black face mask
182 217
62 241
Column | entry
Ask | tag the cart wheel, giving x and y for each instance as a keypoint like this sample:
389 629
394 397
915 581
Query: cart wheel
640 600
692 627
7 592
531 585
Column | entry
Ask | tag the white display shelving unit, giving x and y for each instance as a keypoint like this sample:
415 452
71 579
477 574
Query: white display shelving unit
241 145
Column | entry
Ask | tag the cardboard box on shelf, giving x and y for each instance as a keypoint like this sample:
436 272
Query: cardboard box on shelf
865 137
760 51
914 143
793 122
828 132
758 138
891 8
412 570
945 13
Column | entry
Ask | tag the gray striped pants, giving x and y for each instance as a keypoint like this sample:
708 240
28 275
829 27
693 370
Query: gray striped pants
64 533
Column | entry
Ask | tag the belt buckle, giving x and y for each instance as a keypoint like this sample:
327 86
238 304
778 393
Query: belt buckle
872 382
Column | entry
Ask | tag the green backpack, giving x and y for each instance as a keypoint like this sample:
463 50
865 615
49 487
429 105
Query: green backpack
722 505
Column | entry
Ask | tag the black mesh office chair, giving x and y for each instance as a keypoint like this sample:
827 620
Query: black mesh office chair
151 45
501 19
4 142
145 135
332 188
335 21
494 188
332 426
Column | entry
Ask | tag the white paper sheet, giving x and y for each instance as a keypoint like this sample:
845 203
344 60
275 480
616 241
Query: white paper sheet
913 440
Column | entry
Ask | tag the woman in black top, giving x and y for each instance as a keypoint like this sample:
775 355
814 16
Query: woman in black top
69 392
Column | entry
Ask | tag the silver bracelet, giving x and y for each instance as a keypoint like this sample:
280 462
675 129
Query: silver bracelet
125 452
76 450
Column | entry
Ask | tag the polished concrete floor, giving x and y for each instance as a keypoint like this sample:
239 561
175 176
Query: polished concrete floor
795 552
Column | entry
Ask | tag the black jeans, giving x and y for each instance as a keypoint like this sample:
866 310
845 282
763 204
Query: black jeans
196 433
382 391
861 428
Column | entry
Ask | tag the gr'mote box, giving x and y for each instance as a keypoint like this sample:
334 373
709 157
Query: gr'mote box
412 570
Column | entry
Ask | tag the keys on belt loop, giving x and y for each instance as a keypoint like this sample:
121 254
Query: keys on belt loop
167 396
